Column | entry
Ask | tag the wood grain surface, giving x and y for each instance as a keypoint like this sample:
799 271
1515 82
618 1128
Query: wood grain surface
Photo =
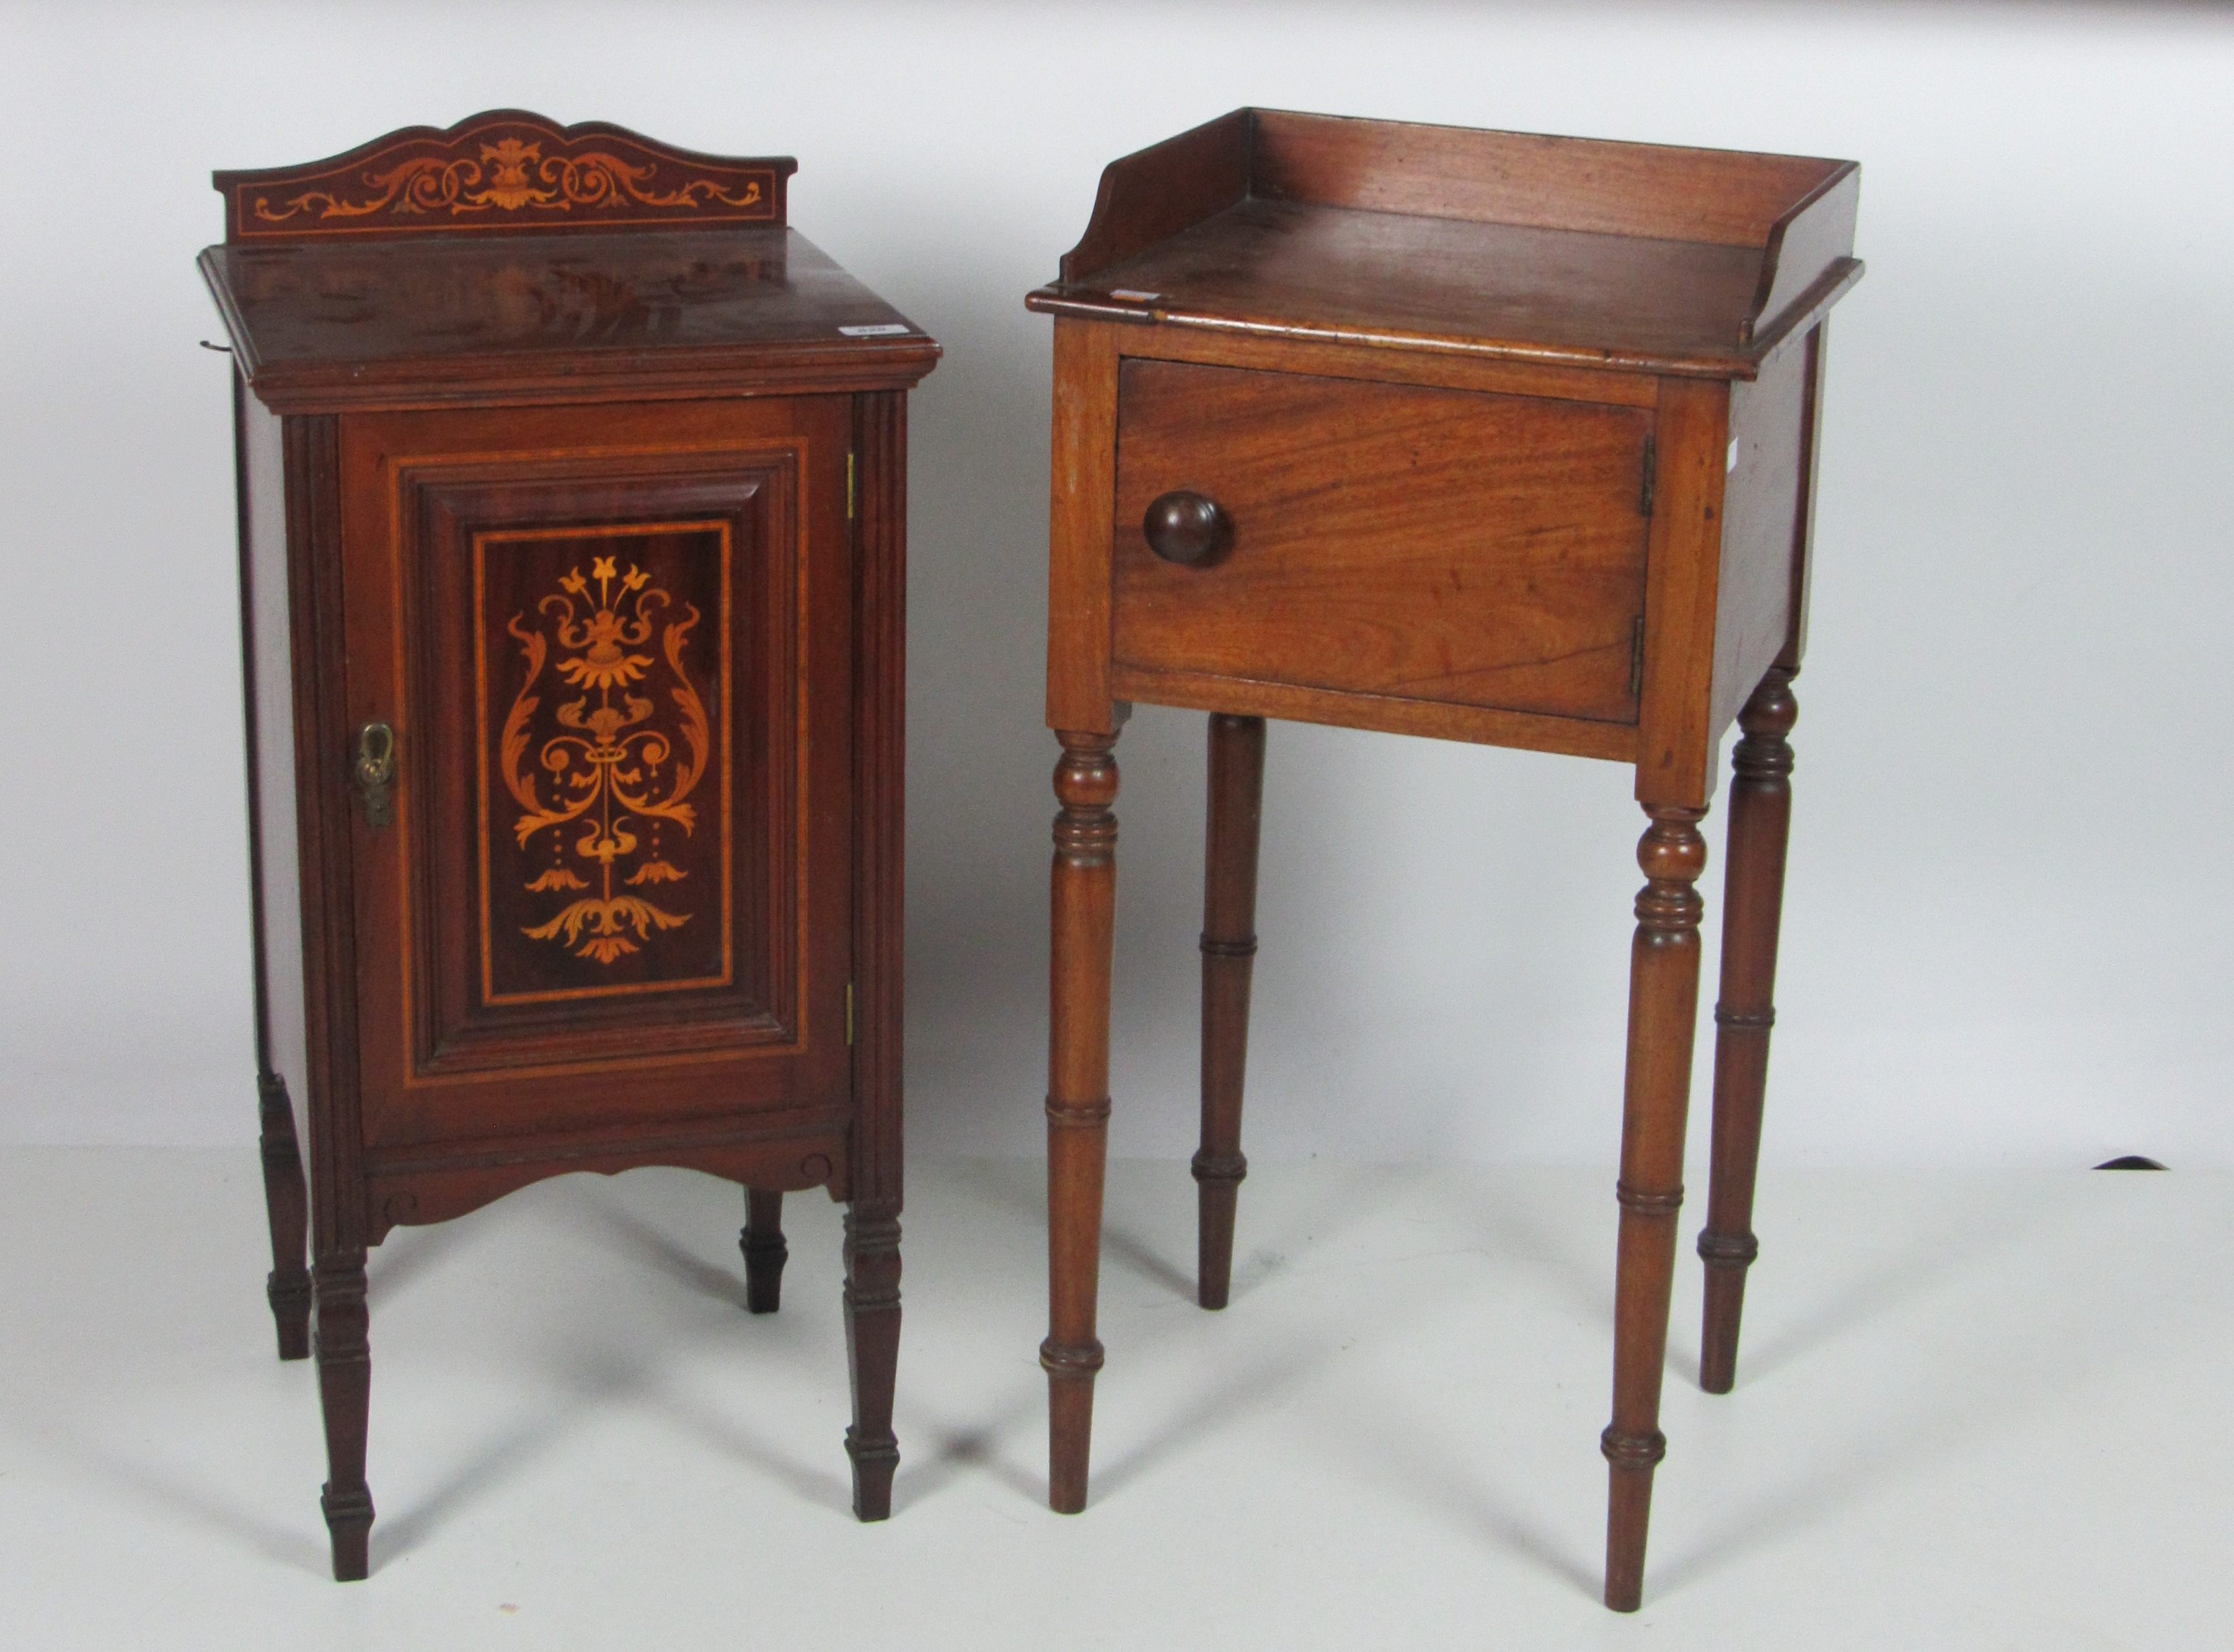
1513 246
555 318
1389 540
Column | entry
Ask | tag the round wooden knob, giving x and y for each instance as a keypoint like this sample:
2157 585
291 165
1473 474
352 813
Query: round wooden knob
1187 528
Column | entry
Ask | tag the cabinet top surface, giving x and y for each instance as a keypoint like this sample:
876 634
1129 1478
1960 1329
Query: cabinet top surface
1633 256
384 302
417 271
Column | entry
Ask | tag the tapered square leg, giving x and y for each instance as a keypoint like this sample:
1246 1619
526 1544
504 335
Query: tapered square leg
1228 956
287 1208
344 1353
1083 908
872 1353
1760 821
1663 1005
765 1253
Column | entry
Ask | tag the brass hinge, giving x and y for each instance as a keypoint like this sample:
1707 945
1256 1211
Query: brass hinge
1651 467
849 1012
1637 658
849 488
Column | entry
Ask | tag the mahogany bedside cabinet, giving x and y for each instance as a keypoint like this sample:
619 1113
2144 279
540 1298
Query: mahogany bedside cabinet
572 520
1471 434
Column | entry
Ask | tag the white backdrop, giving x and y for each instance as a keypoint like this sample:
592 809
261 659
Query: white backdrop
2007 926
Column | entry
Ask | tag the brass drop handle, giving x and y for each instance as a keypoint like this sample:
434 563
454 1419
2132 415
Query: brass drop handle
374 771
1187 529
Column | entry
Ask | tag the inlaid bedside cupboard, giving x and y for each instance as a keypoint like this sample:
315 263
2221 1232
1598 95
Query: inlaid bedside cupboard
1479 435
572 565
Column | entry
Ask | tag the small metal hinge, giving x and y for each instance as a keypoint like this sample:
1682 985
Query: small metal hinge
849 1012
849 489
1637 658
1652 468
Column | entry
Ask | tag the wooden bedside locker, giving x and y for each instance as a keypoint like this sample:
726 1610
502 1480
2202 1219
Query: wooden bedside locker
572 521
1473 434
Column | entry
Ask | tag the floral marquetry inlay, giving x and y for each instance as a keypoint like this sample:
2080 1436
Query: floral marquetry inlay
508 176
602 761
504 171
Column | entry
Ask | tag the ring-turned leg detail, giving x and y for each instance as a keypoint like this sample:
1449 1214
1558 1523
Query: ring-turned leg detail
872 1355
1663 1004
1082 910
344 1353
765 1253
1752 901
1228 953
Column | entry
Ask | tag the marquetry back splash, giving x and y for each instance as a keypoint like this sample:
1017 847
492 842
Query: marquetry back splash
506 171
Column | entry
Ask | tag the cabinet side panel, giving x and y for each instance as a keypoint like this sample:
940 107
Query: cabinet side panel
269 660
320 829
1676 743
1803 527
879 792
1084 472
1761 496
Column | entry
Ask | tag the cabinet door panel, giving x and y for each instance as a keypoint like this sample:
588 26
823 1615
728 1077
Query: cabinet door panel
614 645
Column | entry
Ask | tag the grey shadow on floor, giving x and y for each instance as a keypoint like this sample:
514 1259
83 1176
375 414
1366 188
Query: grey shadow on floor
1935 1424
596 1380
1022 1197
1928 1259
300 1547
1260 1254
1350 1198
1138 1257
663 1255
828 1489
645 1243
1014 1190
410 1254
1237 1392
1401 1452
1353 1198
395 1536
1817 1490
952 1449
1511 1234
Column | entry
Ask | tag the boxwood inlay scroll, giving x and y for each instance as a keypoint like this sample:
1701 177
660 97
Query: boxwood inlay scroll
601 654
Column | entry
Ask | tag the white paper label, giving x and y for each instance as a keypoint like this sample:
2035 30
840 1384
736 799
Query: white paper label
882 329
1136 295
1732 462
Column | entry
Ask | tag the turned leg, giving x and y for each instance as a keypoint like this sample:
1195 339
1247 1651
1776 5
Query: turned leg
765 1250
1663 1004
1082 910
1229 952
872 1353
287 1205
1753 908
344 1393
